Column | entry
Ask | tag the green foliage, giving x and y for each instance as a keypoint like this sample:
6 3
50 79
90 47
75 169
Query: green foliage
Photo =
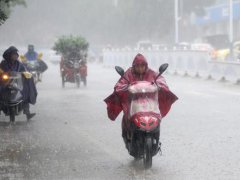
67 45
5 8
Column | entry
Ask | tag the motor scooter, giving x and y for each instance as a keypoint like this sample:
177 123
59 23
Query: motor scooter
11 98
144 118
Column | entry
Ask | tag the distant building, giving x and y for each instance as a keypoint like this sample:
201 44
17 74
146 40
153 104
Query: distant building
214 26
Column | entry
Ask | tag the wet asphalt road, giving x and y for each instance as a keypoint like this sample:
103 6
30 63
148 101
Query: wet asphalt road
71 137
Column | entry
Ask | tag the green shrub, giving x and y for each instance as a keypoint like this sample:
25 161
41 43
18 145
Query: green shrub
67 45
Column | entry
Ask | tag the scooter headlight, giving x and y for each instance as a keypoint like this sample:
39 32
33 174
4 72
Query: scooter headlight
136 120
76 65
5 77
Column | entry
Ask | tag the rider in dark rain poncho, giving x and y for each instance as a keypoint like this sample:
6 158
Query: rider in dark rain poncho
11 63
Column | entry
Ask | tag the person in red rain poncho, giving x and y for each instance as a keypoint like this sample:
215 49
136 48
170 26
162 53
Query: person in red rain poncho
139 71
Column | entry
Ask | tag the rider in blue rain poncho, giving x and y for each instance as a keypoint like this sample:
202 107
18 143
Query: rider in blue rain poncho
31 54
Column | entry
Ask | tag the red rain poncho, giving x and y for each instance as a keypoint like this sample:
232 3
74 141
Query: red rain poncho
118 100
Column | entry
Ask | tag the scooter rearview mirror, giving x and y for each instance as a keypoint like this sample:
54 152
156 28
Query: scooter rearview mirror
163 68
119 70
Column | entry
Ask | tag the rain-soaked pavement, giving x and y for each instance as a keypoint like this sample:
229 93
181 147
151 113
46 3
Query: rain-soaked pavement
71 137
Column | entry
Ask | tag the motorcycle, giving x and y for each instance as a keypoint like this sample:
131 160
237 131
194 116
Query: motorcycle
83 72
143 120
72 71
33 67
36 67
11 99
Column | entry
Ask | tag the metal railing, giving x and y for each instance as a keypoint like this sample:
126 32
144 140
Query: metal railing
184 62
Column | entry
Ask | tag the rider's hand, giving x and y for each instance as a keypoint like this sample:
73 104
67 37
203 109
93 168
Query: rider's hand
27 75
120 88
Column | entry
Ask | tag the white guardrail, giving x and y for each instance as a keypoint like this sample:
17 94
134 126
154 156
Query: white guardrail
192 63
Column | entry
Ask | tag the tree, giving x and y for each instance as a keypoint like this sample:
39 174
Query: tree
5 8
67 46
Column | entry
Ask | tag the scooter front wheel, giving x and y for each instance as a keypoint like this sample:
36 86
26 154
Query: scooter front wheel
63 82
84 79
147 155
77 81
12 115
